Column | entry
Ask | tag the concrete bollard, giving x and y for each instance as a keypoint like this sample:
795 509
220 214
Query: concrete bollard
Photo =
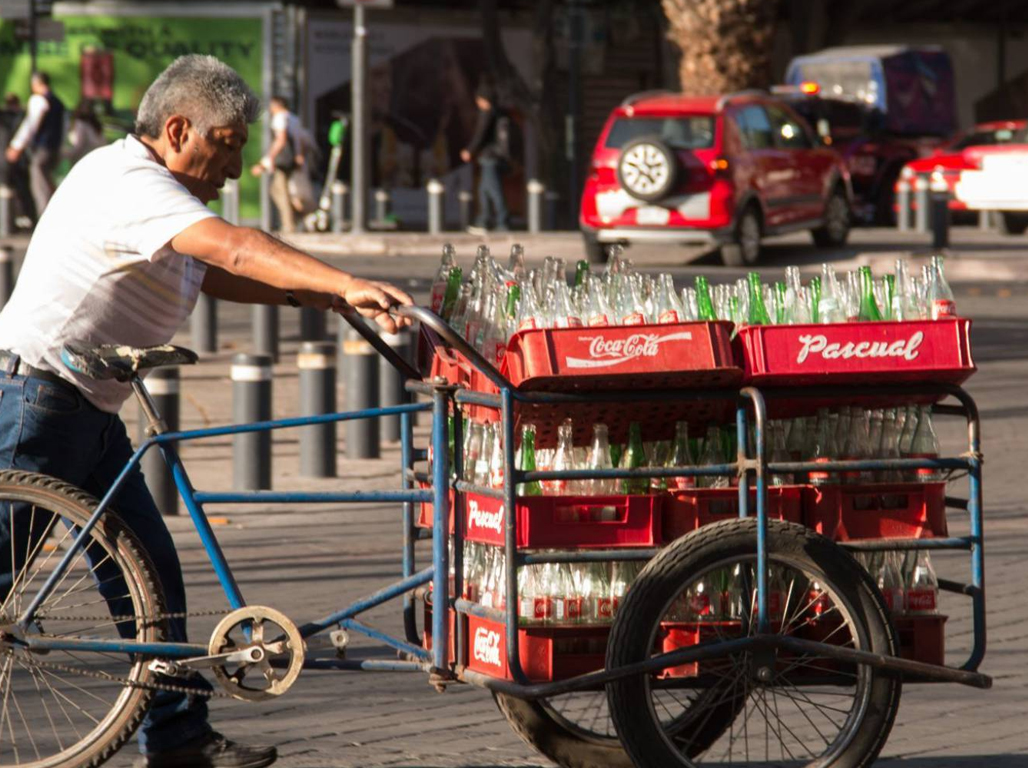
316 362
922 203
340 193
6 211
903 204
986 222
358 367
382 206
204 324
436 204
536 192
6 274
464 207
251 401
265 330
390 383
163 386
940 211
230 201
312 324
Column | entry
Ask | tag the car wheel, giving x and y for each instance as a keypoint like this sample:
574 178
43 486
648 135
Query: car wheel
647 169
1012 223
836 228
595 251
744 248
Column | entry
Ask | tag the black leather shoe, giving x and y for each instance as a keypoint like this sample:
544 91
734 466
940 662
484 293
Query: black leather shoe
212 751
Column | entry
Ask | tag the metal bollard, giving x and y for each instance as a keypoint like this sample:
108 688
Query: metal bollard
921 203
358 367
340 192
230 201
204 324
986 222
6 210
265 330
6 274
251 401
436 204
163 386
940 211
903 203
536 191
312 324
265 197
464 206
390 383
316 362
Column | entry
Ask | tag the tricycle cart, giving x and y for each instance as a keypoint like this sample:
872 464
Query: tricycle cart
751 635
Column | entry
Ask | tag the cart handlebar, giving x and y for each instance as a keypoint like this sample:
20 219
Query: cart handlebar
437 327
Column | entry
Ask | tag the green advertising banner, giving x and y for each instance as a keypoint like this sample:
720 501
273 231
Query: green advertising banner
135 49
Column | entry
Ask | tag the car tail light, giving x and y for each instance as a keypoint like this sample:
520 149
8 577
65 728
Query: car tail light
810 88
719 166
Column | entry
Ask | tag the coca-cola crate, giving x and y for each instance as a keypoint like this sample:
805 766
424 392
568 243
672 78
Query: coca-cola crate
427 632
687 509
877 511
922 638
695 355
585 522
858 353
674 636
426 512
546 653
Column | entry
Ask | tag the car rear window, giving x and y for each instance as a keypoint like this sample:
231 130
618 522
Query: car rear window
688 132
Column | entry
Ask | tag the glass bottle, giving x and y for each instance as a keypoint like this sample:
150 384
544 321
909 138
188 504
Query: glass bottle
940 295
712 456
633 458
924 445
681 457
821 452
668 308
516 262
758 312
868 306
922 587
599 458
527 462
704 305
581 272
563 459
441 282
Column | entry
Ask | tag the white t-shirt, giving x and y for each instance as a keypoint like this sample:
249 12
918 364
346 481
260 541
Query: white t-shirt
99 268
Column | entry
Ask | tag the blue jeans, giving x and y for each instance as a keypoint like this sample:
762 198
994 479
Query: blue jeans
54 430
490 192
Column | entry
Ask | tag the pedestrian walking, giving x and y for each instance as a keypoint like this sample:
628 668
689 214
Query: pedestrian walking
40 136
119 256
490 146
15 175
286 161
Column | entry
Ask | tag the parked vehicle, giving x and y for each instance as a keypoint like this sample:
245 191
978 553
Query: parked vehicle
724 170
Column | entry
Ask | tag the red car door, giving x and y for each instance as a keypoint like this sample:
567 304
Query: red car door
806 163
759 166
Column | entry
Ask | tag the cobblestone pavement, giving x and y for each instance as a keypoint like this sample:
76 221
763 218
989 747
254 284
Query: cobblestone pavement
306 561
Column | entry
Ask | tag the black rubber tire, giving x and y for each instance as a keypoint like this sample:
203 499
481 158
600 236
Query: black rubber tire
742 250
1012 223
595 251
666 156
632 634
538 728
76 506
834 233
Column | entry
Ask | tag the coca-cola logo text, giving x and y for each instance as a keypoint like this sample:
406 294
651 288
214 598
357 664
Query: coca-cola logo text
606 352
818 345
487 646
483 518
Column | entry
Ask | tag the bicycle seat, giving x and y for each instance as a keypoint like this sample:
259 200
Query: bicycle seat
119 362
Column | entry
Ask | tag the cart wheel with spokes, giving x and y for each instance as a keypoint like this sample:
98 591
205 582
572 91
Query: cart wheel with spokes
70 709
797 709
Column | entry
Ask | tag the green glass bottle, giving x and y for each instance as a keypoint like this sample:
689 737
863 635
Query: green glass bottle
868 306
704 304
633 458
513 298
758 312
815 298
890 295
781 310
581 272
452 292
533 488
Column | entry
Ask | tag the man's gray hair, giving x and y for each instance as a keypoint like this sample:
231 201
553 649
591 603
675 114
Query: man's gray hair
201 88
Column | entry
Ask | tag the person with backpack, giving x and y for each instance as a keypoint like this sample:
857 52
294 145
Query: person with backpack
42 134
285 158
491 147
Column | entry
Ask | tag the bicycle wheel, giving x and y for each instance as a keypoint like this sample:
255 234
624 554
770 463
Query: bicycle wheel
792 709
70 709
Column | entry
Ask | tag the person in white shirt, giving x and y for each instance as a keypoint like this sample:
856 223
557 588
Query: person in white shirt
285 156
119 257
40 134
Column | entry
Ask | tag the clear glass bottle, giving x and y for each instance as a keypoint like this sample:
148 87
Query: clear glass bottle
680 458
563 459
940 295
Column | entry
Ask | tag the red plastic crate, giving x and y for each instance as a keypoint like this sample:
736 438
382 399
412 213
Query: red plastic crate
615 357
546 653
858 353
583 522
877 511
425 512
427 632
922 638
687 510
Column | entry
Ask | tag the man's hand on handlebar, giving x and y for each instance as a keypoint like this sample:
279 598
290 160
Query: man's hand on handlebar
373 300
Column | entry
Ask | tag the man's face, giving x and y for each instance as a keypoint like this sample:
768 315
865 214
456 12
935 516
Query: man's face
203 163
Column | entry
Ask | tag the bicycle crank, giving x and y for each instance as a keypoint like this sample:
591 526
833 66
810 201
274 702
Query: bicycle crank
257 653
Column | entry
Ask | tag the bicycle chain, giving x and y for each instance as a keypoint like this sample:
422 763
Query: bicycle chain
171 687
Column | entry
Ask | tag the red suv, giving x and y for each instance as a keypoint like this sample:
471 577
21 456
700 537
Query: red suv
725 170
